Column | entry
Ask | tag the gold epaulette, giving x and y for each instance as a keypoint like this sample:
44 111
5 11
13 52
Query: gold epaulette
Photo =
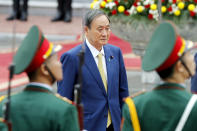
64 98
2 98
138 93
133 114
1 119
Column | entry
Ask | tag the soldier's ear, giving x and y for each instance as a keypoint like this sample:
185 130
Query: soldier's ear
43 69
179 67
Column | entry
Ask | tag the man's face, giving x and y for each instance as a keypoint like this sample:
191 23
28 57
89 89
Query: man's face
99 31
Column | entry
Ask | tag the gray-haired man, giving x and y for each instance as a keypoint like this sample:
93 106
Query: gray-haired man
104 75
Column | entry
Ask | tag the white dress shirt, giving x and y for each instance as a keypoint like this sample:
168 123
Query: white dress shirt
95 53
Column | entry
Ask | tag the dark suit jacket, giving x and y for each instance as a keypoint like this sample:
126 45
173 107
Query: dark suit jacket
94 97
194 78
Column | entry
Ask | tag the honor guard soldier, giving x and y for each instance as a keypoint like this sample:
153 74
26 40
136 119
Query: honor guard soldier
37 108
168 107
20 11
64 11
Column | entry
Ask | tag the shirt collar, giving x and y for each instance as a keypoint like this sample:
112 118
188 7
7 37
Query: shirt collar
40 84
93 50
183 85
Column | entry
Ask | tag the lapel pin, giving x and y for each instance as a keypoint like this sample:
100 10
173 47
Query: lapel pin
111 57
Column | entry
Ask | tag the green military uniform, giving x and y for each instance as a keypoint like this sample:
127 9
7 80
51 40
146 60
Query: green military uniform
161 108
37 108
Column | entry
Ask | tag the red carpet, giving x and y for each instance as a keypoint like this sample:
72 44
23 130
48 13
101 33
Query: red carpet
130 63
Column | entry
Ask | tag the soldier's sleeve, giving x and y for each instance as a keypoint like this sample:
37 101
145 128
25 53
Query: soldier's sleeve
127 125
70 119
123 87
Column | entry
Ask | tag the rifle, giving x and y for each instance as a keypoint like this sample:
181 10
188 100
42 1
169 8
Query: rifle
78 89
11 74
7 103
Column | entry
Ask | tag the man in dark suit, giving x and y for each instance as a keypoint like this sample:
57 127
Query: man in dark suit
19 11
194 79
103 73
37 108
64 11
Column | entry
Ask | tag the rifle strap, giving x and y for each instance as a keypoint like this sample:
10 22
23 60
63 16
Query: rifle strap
133 114
186 113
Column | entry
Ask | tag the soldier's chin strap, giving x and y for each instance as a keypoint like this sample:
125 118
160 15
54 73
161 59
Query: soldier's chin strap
183 63
50 73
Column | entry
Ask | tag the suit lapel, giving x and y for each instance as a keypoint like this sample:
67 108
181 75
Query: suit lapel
92 67
109 65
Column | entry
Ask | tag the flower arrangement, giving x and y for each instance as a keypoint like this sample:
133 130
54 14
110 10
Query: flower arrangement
170 9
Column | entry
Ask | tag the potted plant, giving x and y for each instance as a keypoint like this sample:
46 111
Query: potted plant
135 20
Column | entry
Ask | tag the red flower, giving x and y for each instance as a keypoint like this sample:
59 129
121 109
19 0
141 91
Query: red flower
170 9
116 2
147 6
195 1
192 13
114 12
150 16
126 13
135 4
105 0
162 1
101 6
174 1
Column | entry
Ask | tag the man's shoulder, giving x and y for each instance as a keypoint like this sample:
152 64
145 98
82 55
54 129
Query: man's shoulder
112 46
73 51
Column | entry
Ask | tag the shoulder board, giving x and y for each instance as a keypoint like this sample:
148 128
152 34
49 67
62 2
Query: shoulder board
2 98
138 93
1 119
64 99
